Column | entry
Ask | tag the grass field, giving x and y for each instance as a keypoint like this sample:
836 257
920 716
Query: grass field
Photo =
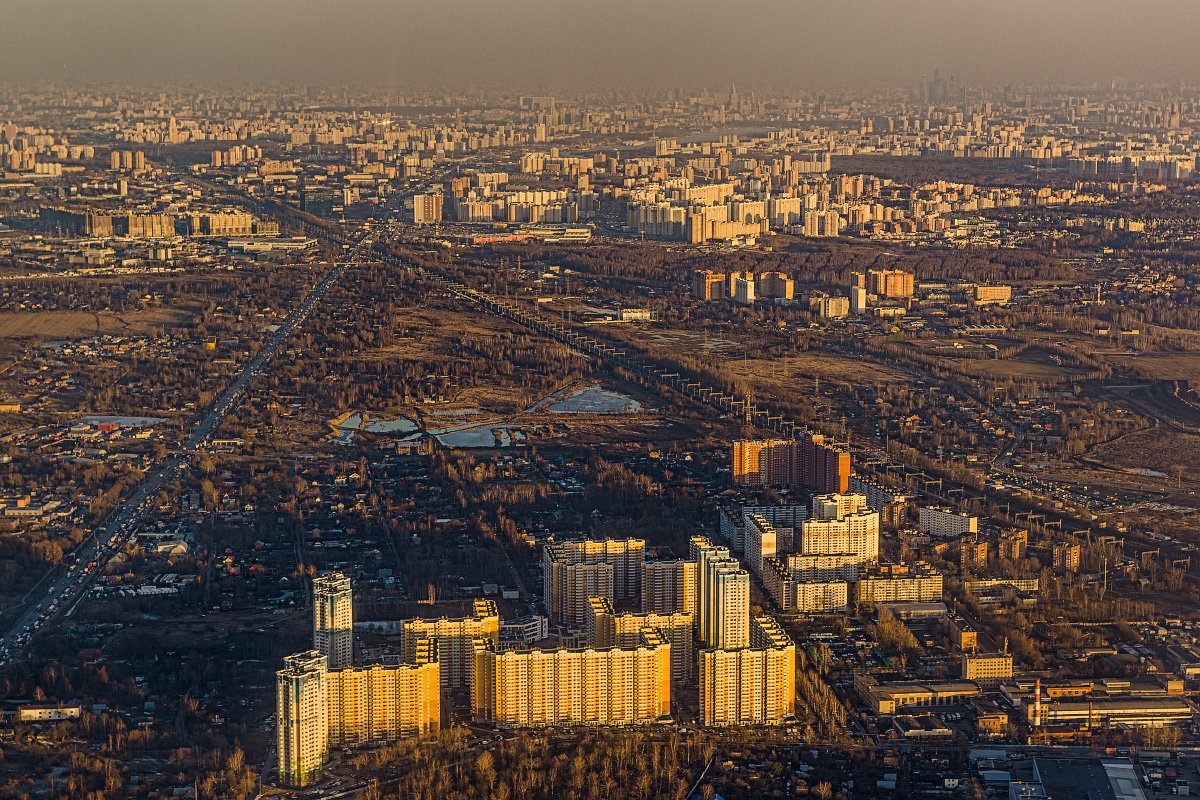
82 324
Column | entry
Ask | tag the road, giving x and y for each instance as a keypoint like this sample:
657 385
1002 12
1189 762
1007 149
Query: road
67 585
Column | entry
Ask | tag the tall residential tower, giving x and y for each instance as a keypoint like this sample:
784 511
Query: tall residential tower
333 618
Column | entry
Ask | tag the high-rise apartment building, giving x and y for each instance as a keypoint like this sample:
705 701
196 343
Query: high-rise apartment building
785 519
708 285
724 597
587 686
743 291
806 595
670 586
891 283
858 300
567 587
755 685
899 583
333 618
856 533
807 461
823 566
837 505
1013 544
799 595
383 702
747 464
606 628
302 715
575 571
729 589
946 522
1065 557
456 641
829 306
731 281
972 553
776 285
319 706
427 208
761 541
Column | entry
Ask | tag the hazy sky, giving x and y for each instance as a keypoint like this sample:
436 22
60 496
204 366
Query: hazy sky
530 44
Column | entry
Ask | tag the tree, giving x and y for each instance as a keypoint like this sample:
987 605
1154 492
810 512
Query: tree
485 770
208 494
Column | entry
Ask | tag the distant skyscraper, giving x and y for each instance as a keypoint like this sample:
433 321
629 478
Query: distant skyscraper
333 619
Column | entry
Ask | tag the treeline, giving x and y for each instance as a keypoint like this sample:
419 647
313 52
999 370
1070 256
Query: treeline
809 261
349 335
592 766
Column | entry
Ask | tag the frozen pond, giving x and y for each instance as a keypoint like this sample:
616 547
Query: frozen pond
470 437
595 400
358 421
346 428
501 435
401 425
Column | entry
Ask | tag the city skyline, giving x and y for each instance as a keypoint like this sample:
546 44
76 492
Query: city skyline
709 400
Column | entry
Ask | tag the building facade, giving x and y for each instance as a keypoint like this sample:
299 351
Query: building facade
587 686
899 583
752 685
606 628
670 586
456 641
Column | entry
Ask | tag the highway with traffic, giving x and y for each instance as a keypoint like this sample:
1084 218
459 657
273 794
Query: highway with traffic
63 588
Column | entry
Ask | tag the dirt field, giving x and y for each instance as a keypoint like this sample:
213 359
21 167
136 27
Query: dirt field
1016 368
841 369
1166 401
82 324
1162 366
845 369
1157 449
